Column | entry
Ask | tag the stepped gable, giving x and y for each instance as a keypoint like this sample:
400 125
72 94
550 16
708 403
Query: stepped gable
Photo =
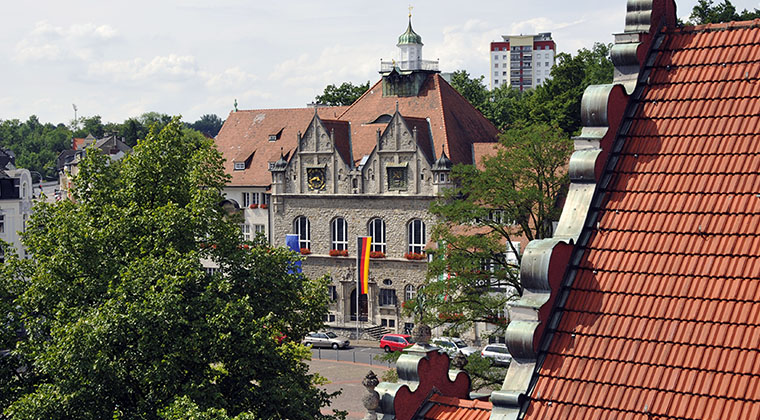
452 120
244 137
661 319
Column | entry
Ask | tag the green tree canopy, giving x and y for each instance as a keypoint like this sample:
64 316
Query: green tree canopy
706 11
123 321
474 270
345 94
556 101
208 124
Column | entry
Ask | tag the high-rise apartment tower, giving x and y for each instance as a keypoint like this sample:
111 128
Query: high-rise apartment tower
522 61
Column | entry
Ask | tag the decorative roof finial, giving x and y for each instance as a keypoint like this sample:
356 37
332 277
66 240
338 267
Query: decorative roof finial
410 11
235 104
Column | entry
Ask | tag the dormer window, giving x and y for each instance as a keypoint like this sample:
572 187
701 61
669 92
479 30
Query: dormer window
276 136
239 166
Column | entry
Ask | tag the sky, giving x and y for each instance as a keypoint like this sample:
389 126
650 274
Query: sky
194 57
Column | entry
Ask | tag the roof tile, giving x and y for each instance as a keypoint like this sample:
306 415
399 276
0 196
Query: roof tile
663 317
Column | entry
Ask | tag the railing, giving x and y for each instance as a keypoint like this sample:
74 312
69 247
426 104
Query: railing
429 65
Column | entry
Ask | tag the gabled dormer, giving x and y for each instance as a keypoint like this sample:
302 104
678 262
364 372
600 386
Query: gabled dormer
402 159
322 161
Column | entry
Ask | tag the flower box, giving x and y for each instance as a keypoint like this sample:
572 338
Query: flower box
376 254
414 256
339 253
253 206
450 317
263 206
305 251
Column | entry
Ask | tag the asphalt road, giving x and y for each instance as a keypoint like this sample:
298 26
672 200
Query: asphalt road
354 354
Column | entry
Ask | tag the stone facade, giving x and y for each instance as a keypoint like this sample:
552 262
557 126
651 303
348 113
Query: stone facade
395 184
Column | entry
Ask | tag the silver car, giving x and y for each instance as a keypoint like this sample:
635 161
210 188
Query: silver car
498 353
453 345
326 339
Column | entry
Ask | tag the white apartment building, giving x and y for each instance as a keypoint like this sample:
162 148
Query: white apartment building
522 61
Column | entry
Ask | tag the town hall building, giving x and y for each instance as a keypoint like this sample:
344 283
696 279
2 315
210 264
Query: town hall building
369 169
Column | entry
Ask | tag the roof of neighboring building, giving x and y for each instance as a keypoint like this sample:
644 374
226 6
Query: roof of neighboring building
440 407
662 319
440 114
245 134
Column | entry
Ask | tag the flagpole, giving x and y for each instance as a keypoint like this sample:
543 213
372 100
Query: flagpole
358 290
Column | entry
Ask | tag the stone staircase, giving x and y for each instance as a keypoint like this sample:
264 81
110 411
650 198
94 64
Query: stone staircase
376 331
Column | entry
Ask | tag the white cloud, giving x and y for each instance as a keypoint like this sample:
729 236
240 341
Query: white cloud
335 64
171 67
231 78
47 42
464 46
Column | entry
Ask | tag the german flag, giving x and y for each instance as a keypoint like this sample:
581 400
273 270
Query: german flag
364 243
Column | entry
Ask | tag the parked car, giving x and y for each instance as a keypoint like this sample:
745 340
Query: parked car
395 342
454 345
498 353
326 339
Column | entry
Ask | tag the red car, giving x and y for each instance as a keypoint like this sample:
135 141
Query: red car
395 342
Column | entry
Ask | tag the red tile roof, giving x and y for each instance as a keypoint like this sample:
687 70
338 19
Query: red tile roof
246 133
452 121
451 408
662 320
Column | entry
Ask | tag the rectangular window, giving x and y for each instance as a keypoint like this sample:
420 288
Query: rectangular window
495 57
239 166
246 199
2 223
387 297
255 198
332 293
496 65
245 229
267 197
259 229
391 323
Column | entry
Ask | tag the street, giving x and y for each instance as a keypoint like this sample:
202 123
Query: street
345 369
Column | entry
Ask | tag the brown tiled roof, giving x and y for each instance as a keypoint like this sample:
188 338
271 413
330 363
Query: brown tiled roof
245 134
481 150
451 408
662 320
342 132
453 121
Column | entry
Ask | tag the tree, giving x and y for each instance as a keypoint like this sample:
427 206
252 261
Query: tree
208 124
345 94
474 270
122 320
472 89
707 12
556 101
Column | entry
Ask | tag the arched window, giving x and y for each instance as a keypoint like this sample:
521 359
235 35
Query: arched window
409 292
339 234
303 230
416 236
376 229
